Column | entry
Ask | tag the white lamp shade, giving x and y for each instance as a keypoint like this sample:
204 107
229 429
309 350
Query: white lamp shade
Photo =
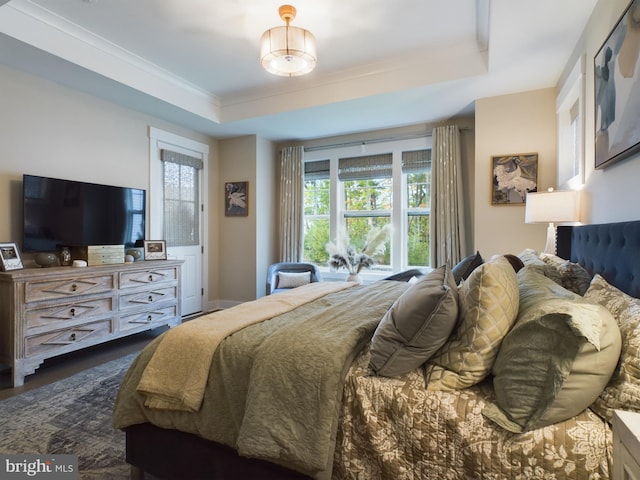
553 207
288 51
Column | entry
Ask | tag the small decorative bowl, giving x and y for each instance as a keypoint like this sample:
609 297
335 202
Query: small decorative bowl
136 253
46 259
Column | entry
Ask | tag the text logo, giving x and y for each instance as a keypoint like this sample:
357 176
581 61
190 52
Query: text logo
52 467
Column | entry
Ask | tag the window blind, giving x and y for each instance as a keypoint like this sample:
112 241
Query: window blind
366 167
318 170
417 161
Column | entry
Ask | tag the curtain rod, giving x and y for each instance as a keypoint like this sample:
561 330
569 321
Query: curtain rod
356 143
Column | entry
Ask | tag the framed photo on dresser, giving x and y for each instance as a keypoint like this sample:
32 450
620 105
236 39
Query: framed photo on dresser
155 250
10 257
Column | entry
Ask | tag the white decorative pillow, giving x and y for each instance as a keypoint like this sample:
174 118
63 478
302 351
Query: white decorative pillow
535 261
293 279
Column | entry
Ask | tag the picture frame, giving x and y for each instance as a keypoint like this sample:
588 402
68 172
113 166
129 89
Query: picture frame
236 199
155 250
616 69
10 257
513 176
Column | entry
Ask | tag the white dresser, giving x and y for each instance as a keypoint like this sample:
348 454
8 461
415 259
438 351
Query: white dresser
45 312
626 445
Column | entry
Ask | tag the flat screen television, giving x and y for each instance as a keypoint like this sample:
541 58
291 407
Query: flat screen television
69 213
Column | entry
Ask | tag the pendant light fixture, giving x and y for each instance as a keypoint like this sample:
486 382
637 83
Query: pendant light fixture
288 51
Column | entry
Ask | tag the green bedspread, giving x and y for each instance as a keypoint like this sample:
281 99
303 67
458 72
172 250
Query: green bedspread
274 389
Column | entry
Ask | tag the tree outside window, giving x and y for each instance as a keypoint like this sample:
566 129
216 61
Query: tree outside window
368 194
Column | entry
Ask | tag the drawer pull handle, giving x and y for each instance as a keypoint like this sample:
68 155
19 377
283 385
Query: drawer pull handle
72 337
74 287
150 298
149 318
73 312
151 278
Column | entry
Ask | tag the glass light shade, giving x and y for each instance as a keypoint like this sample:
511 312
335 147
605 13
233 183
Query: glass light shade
288 51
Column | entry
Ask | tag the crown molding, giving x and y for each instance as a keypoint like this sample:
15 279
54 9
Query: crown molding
41 28
412 70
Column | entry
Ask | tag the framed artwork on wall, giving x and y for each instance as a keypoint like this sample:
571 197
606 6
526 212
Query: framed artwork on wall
236 199
513 176
10 257
617 91
155 250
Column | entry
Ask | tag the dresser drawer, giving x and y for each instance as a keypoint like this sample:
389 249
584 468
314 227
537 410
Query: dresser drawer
148 277
69 311
132 300
49 290
39 344
149 317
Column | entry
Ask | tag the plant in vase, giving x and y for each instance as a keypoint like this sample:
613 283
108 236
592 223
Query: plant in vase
344 255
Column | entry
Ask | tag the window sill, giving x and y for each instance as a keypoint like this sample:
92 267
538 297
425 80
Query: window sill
341 276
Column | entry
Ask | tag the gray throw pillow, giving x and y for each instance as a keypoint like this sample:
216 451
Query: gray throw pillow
417 324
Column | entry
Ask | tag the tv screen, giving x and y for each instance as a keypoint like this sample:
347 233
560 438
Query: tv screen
70 213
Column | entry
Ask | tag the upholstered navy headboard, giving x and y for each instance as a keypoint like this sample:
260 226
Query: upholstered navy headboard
611 249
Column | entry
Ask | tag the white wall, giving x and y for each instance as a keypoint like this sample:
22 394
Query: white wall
267 227
50 130
611 193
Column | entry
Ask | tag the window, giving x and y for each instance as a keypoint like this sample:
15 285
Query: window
365 186
181 198
569 111
316 211
416 169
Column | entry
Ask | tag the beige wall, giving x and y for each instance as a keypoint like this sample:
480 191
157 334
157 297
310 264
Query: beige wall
237 235
519 123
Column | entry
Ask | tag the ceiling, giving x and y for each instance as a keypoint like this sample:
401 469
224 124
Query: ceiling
381 63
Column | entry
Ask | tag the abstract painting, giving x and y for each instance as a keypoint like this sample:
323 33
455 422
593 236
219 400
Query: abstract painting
617 91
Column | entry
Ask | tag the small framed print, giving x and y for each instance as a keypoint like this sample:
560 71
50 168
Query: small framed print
236 198
155 250
513 176
10 256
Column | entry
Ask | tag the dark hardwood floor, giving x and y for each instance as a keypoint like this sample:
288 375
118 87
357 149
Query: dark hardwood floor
57 368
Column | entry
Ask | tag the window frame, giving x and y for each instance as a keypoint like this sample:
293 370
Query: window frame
570 116
399 207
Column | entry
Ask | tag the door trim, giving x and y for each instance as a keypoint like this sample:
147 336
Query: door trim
159 139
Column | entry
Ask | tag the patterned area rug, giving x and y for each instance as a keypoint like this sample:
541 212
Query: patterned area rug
72 416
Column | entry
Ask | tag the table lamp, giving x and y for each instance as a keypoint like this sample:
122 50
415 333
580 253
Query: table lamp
559 206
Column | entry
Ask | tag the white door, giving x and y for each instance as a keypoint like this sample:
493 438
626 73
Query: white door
178 170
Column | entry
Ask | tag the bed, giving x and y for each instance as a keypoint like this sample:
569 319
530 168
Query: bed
385 411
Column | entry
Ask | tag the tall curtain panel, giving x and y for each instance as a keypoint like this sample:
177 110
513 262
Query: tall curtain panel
447 208
291 203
